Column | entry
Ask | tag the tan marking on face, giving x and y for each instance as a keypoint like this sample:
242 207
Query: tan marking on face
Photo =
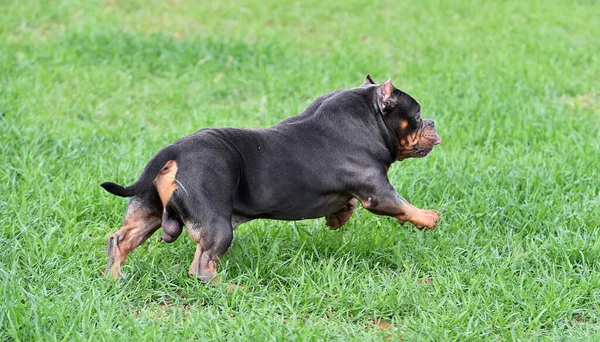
406 145
403 124
165 182
417 144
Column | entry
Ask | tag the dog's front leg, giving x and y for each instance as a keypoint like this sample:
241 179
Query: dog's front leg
382 199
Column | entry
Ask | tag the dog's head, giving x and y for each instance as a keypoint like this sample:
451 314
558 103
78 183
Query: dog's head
402 114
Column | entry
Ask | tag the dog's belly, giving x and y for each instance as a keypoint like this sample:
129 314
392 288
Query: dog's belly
299 207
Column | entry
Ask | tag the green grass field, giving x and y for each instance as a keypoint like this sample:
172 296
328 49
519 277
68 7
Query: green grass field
90 91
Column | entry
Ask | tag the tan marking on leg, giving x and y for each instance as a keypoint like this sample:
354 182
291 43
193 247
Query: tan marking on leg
194 271
404 212
195 232
418 217
165 181
139 224
339 218
204 266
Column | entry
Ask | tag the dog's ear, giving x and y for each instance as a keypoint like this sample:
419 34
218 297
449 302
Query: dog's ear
385 94
368 81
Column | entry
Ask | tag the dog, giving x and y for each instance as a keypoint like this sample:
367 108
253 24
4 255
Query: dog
315 164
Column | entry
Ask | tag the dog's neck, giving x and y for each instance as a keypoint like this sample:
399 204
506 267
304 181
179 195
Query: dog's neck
389 136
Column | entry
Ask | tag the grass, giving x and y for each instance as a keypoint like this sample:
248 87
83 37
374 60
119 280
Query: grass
89 91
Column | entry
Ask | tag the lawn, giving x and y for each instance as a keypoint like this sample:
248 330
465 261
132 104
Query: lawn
91 90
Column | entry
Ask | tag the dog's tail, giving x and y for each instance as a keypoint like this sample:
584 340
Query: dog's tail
145 180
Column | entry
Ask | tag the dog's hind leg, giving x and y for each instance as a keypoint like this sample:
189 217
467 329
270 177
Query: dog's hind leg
339 218
142 219
211 244
206 207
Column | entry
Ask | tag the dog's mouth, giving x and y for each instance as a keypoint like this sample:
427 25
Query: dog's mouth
422 152
429 139
421 144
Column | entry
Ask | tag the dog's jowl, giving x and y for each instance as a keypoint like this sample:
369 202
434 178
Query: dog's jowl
320 163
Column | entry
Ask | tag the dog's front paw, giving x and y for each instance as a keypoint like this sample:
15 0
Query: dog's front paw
426 219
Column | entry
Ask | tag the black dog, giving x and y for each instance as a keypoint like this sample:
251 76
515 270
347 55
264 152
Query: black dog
311 165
